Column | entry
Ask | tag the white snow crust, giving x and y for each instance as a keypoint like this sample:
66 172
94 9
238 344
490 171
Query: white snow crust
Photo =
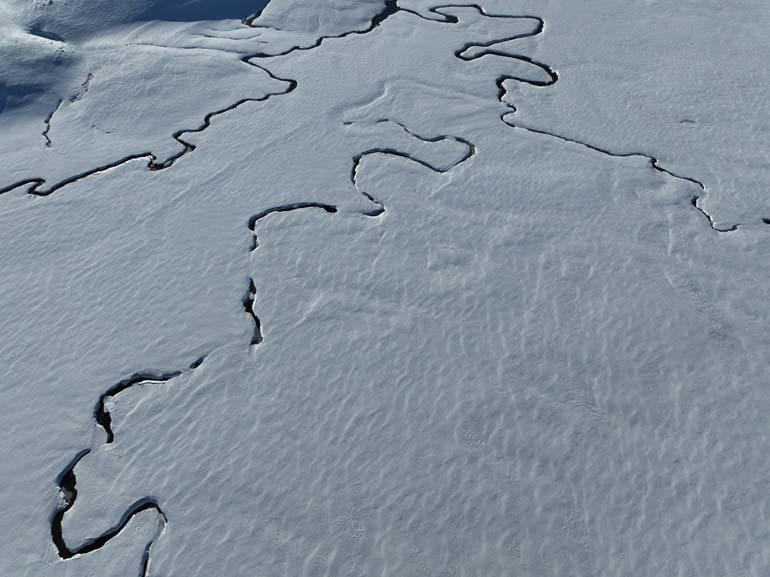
374 288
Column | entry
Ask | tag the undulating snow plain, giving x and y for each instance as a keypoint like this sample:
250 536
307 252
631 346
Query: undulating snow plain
384 288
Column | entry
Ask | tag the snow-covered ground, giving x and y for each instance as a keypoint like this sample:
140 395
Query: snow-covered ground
366 287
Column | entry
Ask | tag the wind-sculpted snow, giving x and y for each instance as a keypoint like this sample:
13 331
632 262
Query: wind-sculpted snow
433 336
76 19
324 19
403 412
67 480
669 89
654 163
174 93
139 380
102 414
109 141
160 156
283 208
153 101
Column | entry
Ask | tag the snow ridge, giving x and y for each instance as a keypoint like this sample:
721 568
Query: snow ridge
47 124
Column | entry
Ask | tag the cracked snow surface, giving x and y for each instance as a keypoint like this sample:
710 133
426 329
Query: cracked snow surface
384 287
